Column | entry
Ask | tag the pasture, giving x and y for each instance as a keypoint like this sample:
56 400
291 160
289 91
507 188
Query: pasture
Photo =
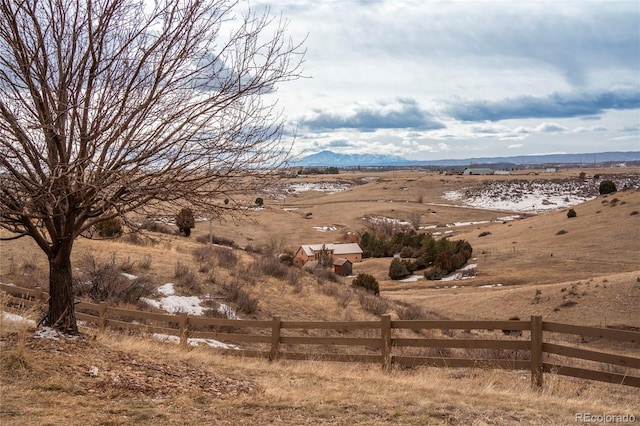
531 259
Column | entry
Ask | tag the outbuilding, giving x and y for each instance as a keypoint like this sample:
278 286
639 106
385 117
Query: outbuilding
342 266
477 171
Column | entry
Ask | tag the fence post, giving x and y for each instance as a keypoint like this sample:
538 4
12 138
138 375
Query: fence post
536 352
37 297
184 333
102 316
385 347
275 338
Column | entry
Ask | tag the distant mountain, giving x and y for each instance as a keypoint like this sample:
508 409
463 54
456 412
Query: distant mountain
333 159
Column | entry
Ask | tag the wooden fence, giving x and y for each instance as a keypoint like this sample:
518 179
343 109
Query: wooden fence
386 341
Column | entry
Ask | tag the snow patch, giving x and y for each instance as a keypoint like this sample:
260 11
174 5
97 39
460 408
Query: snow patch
194 342
8 316
325 228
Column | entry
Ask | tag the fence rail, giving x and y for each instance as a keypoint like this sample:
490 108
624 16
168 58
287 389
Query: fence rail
389 339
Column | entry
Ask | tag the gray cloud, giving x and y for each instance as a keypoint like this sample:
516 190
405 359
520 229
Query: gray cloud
556 105
403 114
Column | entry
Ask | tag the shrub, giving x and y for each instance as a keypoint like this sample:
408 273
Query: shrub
185 221
367 282
238 295
562 232
216 240
373 304
154 226
484 234
607 187
571 213
226 257
411 312
398 269
269 265
109 228
286 259
327 274
203 254
145 264
186 278
259 201
105 282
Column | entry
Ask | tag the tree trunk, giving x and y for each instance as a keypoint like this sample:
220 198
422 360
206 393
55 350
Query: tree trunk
62 314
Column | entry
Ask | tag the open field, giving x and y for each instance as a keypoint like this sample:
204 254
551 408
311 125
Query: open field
121 380
531 260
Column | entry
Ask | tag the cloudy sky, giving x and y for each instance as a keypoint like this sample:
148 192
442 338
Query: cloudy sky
430 80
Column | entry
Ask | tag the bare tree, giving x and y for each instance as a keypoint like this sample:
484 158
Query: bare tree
114 107
414 219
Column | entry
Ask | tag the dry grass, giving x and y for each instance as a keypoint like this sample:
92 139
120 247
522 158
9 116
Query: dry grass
113 379
593 266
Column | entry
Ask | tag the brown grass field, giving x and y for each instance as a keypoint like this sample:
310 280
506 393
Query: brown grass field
524 267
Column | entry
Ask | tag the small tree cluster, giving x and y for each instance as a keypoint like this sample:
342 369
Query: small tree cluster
399 269
571 213
367 282
452 256
185 221
607 187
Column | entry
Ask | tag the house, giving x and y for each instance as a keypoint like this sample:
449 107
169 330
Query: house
342 266
351 251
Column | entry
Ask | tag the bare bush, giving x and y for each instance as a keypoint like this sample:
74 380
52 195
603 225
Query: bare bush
342 294
127 265
242 298
269 265
145 264
155 226
104 281
294 277
328 275
375 305
226 258
186 279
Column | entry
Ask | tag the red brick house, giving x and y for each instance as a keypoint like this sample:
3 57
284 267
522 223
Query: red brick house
351 251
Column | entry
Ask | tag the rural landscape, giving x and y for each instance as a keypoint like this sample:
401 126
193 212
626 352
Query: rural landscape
319 213
529 258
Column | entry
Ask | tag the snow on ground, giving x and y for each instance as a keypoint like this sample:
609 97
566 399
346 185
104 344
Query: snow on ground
187 304
383 219
465 273
176 304
412 278
536 195
330 187
194 342
8 316
325 228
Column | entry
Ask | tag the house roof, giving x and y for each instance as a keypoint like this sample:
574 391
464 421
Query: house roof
311 265
341 261
350 248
